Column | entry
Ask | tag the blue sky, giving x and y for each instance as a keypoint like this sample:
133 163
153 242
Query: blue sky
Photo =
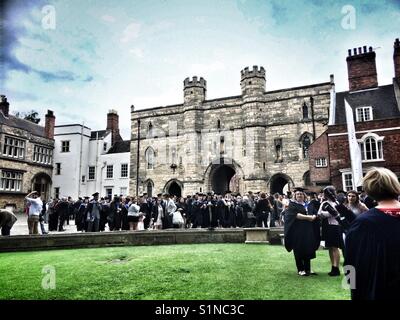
111 54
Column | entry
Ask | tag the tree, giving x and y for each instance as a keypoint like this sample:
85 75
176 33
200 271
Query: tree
30 116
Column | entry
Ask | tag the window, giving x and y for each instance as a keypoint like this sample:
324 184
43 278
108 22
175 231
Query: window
371 147
278 149
109 193
10 180
305 145
42 154
150 130
320 162
347 178
64 146
219 124
124 170
92 173
14 148
57 192
110 172
305 111
83 179
123 191
149 155
58 168
364 114
105 146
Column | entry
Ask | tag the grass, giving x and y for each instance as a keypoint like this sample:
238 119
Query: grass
198 271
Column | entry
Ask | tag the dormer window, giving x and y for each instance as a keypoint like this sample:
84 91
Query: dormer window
364 114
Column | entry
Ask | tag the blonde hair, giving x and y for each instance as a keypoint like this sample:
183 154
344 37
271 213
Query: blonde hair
381 184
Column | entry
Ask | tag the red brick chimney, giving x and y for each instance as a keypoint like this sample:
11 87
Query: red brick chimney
4 105
50 122
113 126
361 68
396 59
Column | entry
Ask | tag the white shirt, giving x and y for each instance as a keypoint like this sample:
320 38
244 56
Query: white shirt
35 206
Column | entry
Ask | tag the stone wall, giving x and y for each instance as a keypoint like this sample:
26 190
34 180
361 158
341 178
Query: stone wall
248 127
27 166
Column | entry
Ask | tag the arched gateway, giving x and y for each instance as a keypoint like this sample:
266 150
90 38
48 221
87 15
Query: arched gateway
223 175
174 187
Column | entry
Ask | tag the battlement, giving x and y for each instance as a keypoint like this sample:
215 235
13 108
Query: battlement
187 83
361 51
256 72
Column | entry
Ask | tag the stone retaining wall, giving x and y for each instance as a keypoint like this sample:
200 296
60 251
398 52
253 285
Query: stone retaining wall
121 238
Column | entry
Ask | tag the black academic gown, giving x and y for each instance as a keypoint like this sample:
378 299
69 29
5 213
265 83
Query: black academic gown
301 236
373 249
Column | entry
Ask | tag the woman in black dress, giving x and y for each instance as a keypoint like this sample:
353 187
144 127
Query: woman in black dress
301 233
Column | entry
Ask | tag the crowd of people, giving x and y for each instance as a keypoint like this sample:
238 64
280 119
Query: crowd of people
367 230
365 225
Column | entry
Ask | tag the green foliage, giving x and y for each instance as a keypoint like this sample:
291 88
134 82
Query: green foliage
30 116
199 271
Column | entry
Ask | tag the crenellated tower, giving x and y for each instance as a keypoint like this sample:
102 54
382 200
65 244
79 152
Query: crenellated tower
253 81
194 91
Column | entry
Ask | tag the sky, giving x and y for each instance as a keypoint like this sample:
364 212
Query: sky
81 58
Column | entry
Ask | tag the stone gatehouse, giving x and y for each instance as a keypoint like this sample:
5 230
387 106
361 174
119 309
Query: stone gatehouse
255 141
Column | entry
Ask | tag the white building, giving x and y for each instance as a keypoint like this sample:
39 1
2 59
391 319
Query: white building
88 161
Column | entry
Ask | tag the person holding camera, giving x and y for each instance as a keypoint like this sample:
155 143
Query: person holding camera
332 232
373 240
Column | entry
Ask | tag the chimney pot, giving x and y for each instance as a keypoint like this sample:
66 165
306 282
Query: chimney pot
362 69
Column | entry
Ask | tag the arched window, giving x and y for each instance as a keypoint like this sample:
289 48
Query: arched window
371 147
305 111
307 179
305 144
219 124
149 154
149 188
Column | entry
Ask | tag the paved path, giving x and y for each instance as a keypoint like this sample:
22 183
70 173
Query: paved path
21 226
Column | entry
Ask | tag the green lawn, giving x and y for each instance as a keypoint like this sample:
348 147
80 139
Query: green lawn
200 271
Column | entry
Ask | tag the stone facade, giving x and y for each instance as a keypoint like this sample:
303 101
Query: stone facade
36 173
254 141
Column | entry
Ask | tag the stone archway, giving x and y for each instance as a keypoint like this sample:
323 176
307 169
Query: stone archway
279 183
41 182
223 175
174 187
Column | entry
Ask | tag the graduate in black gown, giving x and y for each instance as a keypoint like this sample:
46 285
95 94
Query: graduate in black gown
301 233
373 241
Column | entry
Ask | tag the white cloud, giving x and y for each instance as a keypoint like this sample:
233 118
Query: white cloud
131 32
108 18
137 52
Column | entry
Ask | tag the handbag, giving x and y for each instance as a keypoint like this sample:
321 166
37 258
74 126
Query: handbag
177 218
134 210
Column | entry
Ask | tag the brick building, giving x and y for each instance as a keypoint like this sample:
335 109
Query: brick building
376 112
257 140
26 157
